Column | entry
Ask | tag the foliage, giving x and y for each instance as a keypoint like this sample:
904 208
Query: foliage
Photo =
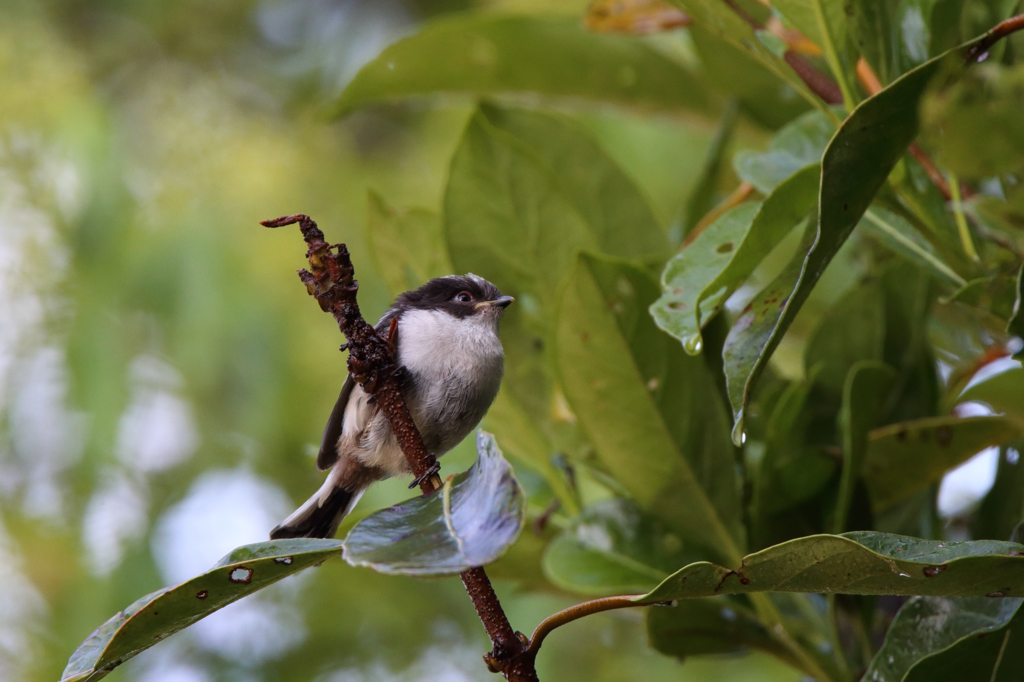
745 414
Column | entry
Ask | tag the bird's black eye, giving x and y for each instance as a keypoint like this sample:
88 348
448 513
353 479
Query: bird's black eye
464 297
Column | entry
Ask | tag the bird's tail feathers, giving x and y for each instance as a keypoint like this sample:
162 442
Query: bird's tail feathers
320 515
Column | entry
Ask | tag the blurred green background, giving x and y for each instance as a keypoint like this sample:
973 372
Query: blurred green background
164 379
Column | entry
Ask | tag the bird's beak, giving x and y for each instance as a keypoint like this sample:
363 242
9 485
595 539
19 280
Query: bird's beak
500 302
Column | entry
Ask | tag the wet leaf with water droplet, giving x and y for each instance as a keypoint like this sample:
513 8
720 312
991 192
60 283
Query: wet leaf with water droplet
698 280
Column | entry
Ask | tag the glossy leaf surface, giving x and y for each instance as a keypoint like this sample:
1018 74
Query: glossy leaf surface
470 522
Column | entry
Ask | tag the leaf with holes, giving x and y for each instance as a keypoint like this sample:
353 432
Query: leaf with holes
697 281
687 276
858 563
159 615
470 522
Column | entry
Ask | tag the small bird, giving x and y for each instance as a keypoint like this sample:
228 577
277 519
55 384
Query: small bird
449 349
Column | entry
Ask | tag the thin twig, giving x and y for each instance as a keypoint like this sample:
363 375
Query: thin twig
819 83
578 611
371 362
979 51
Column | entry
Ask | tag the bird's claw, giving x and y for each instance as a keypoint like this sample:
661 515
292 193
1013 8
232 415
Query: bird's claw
434 469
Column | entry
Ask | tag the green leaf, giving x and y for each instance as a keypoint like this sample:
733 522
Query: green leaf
790 471
407 246
716 625
900 237
799 144
996 295
824 22
522 437
852 331
864 392
764 96
683 308
903 458
860 156
528 191
697 281
470 522
159 615
719 18
649 410
475 54
1003 392
969 640
858 563
613 548
872 29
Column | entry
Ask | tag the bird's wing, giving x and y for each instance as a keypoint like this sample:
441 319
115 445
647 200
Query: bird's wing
335 423
332 432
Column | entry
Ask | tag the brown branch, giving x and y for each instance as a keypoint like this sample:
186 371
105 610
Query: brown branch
819 83
979 51
371 362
